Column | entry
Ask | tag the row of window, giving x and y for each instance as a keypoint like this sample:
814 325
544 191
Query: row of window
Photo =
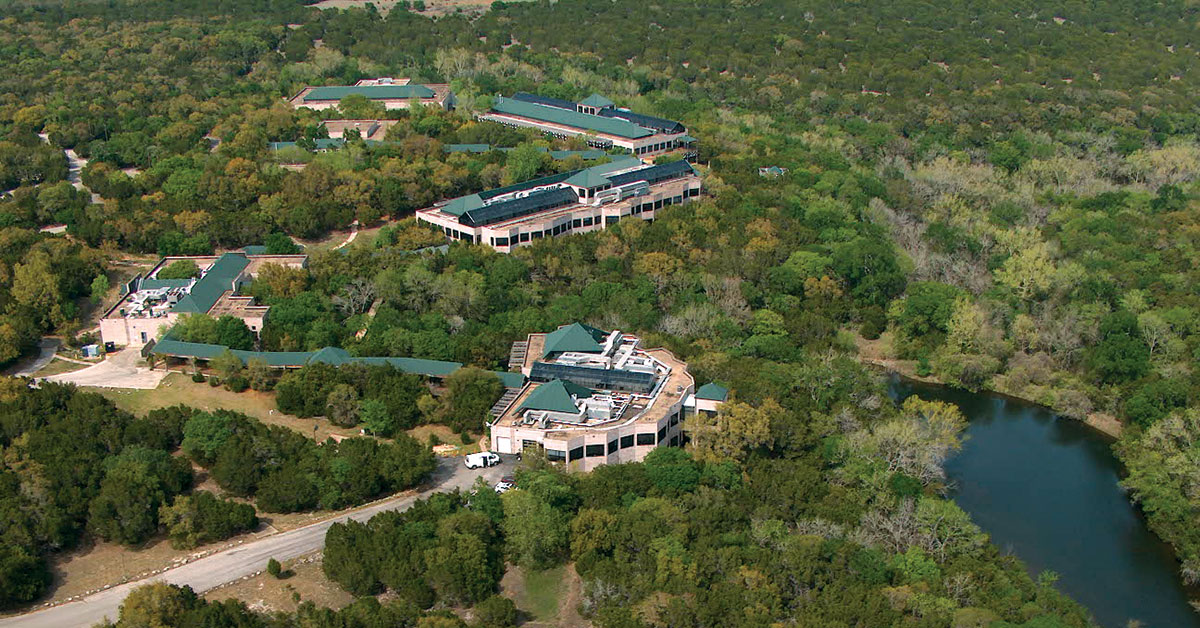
585 222
596 451
654 148
455 234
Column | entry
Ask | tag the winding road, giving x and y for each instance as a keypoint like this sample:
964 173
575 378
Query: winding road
246 559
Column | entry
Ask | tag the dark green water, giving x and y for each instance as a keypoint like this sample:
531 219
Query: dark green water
1046 489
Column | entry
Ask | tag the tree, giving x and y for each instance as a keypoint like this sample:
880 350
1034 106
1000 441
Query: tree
227 364
157 605
1122 354
280 244
870 266
232 332
736 429
496 612
523 163
274 568
341 405
375 417
672 470
179 269
23 576
136 484
99 288
200 518
470 393
536 534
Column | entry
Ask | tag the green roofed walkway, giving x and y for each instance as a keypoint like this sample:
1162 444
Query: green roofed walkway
334 356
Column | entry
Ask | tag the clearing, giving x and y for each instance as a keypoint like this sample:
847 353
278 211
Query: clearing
547 598
307 583
178 388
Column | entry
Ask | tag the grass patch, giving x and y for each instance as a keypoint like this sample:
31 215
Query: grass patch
57 367
178 388
543 589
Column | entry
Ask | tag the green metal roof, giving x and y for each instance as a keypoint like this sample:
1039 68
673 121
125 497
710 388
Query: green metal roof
555 396
554 115
597 101
154 284
463 204
712 392
374 92
685 139
255 249
216 280
574 337
330 355
467 148
588 179
510 379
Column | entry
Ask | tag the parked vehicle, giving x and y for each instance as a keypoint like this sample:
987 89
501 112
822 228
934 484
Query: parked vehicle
506 484
481 460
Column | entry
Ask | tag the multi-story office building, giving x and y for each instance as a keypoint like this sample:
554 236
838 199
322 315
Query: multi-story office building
391 93
571 202
604 124
593 397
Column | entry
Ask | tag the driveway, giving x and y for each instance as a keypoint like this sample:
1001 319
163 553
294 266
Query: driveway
118 370
249 558
27 367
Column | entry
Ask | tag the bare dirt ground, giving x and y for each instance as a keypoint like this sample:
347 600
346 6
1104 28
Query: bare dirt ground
307 583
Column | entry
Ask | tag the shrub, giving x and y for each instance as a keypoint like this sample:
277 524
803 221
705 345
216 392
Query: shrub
465 437
214 381
274 568
198 378
201 518
237 383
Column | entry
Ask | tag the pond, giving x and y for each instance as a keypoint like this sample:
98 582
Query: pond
1046 490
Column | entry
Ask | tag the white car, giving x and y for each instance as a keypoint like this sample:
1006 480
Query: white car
481 460
505 484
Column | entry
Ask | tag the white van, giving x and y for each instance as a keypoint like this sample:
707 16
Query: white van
481 459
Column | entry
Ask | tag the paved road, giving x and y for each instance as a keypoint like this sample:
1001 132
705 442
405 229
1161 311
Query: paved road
46 349
243 560
118 370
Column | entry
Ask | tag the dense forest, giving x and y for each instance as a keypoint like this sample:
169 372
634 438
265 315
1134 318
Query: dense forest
77 468
1003 194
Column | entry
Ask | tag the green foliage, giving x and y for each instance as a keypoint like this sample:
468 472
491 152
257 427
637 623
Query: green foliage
199 518
179 269
136 483
1122 354
535 532
274 568
288 472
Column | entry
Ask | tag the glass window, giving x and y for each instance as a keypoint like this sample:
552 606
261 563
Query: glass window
537 235
662 434
524 237
577 223
627 441
646 439
674 420
612 446
675 441
555 455
501 241
587 222
576 454
594 451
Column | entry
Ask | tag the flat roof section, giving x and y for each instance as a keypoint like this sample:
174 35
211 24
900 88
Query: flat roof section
571 118
374 92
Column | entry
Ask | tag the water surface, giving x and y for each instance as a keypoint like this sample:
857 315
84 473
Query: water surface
1046 489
